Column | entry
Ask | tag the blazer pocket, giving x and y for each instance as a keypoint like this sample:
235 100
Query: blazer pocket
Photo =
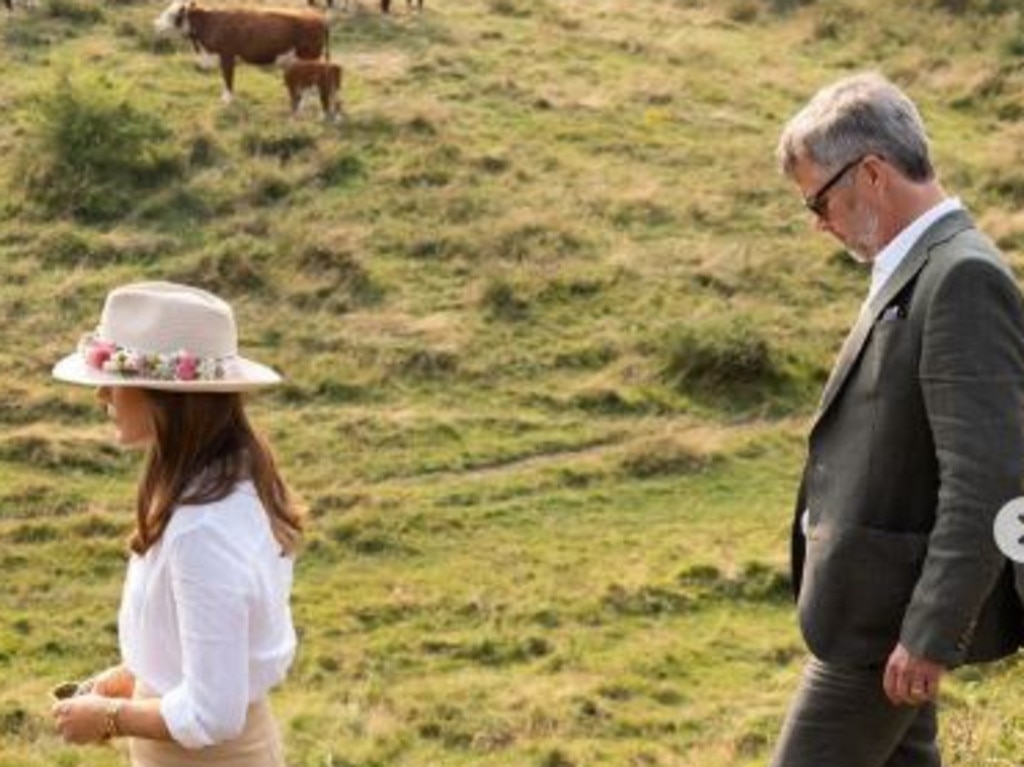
857 584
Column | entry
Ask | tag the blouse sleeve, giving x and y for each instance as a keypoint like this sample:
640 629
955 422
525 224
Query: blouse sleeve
211 588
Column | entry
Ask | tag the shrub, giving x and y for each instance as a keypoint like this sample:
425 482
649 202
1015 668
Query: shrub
422 125
642 214
514 8
268 188
611 400
341 170
16 721
1013 46
345 281
75 11
424 177
18 37
493 164
756 582
235 266
93 152
785 6
63 455
663 457
501 301
646 600
556 758
33 533
426 364
97 526
834 20
587 357
974 7
282 143
369 538
538 240
438 248
719 358
203 151
1007 186
743 11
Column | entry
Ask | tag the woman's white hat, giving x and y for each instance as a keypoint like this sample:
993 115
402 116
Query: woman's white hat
160 335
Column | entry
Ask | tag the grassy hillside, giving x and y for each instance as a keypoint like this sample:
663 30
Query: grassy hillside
553 329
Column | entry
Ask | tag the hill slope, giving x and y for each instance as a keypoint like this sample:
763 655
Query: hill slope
552 327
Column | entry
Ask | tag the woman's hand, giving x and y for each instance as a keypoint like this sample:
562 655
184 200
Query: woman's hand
82 719
115 682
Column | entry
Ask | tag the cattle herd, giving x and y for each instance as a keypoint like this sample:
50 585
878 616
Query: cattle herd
296 38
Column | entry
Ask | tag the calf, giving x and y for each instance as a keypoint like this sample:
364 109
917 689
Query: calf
257 36
301 76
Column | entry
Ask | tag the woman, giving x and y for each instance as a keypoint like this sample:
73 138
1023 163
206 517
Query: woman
205 626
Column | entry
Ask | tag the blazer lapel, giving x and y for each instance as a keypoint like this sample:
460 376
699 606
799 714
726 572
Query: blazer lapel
943 229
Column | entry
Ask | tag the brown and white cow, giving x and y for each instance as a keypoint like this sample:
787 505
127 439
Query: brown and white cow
254 35
322 76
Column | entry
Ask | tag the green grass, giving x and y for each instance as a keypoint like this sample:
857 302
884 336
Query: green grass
553 328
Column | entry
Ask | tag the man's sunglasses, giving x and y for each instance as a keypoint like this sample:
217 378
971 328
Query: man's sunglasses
817 203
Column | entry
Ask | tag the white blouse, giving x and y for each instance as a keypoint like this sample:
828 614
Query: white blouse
205 621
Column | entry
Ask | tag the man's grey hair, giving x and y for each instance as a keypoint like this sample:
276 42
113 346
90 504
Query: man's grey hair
857 116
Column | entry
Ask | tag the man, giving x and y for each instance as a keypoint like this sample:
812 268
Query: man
917 443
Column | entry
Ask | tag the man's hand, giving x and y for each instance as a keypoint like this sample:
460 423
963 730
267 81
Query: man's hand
911 681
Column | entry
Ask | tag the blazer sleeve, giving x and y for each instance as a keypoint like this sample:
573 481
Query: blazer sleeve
972 379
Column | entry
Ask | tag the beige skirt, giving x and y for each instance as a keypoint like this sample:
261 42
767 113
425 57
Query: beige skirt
259 745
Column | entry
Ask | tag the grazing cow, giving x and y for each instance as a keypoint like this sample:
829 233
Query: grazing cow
257 36
301 76
385 5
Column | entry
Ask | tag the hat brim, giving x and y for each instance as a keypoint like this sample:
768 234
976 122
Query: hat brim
240 375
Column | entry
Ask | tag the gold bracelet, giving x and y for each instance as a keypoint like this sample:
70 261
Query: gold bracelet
113 729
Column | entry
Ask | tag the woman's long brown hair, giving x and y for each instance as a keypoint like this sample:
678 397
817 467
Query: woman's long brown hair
204 445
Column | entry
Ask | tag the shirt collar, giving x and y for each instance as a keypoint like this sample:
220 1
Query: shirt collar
890 257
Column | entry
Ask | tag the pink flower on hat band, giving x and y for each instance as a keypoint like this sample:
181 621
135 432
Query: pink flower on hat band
97 353
186 369
131 363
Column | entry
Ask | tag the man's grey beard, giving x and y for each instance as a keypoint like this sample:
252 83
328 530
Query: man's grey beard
864 247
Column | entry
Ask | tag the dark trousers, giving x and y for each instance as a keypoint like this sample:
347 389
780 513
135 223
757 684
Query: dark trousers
840 717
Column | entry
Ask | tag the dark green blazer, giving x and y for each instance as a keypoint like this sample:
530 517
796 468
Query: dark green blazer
917 444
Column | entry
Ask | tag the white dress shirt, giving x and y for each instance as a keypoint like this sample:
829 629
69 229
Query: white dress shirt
892 255
205 620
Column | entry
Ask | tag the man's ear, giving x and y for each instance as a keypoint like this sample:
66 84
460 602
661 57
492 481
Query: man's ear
876 170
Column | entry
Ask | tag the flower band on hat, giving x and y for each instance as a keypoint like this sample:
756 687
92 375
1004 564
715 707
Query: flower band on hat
132 363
